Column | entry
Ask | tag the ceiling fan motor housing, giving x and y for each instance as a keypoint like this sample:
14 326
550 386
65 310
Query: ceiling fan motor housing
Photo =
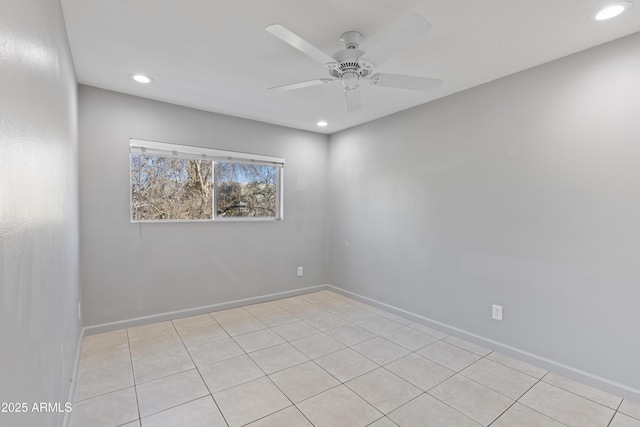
348 62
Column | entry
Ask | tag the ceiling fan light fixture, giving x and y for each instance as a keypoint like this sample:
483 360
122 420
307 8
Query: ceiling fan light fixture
141 78
612 10
351 65
350 80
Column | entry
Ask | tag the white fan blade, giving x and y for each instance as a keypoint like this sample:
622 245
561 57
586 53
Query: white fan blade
352 98
300 85
412 28
405 82
299 43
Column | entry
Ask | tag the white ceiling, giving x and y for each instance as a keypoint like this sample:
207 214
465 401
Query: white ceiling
216 56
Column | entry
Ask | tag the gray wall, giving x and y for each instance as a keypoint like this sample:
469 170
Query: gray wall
523 192
134 270
39 325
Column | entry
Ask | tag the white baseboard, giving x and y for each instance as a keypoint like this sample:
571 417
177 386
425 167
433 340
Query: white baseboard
587 378
106 327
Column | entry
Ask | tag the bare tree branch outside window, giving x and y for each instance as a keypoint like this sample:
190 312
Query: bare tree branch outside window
174 188
246 190
170 188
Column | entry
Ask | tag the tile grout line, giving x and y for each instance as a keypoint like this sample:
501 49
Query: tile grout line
340 383
135 387
269 378
379 366
175 373
504 366
514 401
580 395
534 409
271 381
199 373
481 357
615 412
458 373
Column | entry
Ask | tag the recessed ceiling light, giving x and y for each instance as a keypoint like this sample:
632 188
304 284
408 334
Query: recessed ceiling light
322 123
141 78
612 10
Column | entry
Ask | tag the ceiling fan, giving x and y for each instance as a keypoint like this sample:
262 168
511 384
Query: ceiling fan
352 65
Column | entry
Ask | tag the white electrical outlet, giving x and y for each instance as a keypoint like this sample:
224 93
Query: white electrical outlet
496 312
300 271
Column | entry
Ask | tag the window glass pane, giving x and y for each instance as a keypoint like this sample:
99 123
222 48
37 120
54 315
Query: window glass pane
170 188
246 190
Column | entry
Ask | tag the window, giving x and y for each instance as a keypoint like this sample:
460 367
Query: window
181 183
244 190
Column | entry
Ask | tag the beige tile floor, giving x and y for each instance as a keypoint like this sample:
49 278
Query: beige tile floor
320 359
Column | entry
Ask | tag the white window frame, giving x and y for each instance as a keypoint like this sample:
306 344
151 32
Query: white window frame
163 149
